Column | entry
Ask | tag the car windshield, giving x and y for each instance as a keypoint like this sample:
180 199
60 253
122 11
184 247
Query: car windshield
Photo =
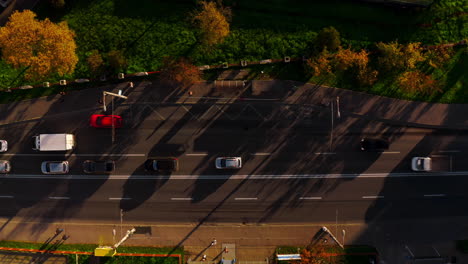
55 167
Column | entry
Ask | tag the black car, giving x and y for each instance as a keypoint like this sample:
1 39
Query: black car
96 167
162 164
374 144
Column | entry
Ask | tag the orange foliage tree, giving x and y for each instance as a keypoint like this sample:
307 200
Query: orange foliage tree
319 65
357 62
180 72
416 81
43 47
212 22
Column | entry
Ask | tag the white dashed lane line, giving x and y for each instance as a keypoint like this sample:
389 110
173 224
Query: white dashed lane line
181 199
310 198
245 199
373 197
59 198
119 198
435 195
261 154
391 152
449 151
196 154
325 153
7 196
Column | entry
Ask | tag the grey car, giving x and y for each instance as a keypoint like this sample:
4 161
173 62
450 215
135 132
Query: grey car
228 163
55 167
5 166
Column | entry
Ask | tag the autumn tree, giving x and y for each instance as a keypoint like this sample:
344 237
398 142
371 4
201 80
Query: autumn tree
41 48
356 63
319 65
416 81
438 56
213 22
180 72
328 38
117 60
395 57
95 62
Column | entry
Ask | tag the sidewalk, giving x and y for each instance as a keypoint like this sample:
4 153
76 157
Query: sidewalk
353 104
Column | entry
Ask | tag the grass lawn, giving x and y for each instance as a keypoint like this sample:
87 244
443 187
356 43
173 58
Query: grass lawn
108 260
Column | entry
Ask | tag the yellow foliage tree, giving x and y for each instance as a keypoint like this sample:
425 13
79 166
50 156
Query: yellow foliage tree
43 47
212 22
346 59
180 72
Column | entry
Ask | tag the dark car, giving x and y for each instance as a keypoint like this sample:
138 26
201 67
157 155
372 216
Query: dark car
374 144
105 166
162 164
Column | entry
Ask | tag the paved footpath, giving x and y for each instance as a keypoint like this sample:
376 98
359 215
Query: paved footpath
253 242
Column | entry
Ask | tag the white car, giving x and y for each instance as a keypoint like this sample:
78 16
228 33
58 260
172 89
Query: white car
3 145
5 166
55 167
228 163
421 164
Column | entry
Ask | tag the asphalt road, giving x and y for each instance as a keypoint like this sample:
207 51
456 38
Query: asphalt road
295 168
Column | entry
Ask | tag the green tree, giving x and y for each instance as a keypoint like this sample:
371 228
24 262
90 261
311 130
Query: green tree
395 57
328 38
117 60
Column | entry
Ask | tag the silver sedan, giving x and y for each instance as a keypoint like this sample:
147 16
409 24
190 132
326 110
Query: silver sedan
55 167
228 163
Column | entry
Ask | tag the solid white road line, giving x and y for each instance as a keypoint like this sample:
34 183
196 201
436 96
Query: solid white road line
434 195
7 196
245 199
74 155
310 198
119 198
373 197
449 151
237 176
439 156
59 198
196 154
182 199
261 154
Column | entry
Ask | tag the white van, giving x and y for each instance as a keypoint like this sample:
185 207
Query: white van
54 142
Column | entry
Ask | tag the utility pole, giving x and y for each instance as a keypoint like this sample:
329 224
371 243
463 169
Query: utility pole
332 125
338 113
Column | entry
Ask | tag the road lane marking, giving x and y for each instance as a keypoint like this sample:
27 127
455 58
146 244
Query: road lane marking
449 151
196 154
236 176
373 197
74 155
310 198
325 153
439 156
182 199
245 198
59 198
261 154
391 152
119 198
7 196
434 195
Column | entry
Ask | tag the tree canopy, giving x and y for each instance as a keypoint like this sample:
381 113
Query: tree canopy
43 47
212 22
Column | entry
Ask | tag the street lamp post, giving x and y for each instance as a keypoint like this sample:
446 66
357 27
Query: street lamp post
112 107
338 113
344 233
